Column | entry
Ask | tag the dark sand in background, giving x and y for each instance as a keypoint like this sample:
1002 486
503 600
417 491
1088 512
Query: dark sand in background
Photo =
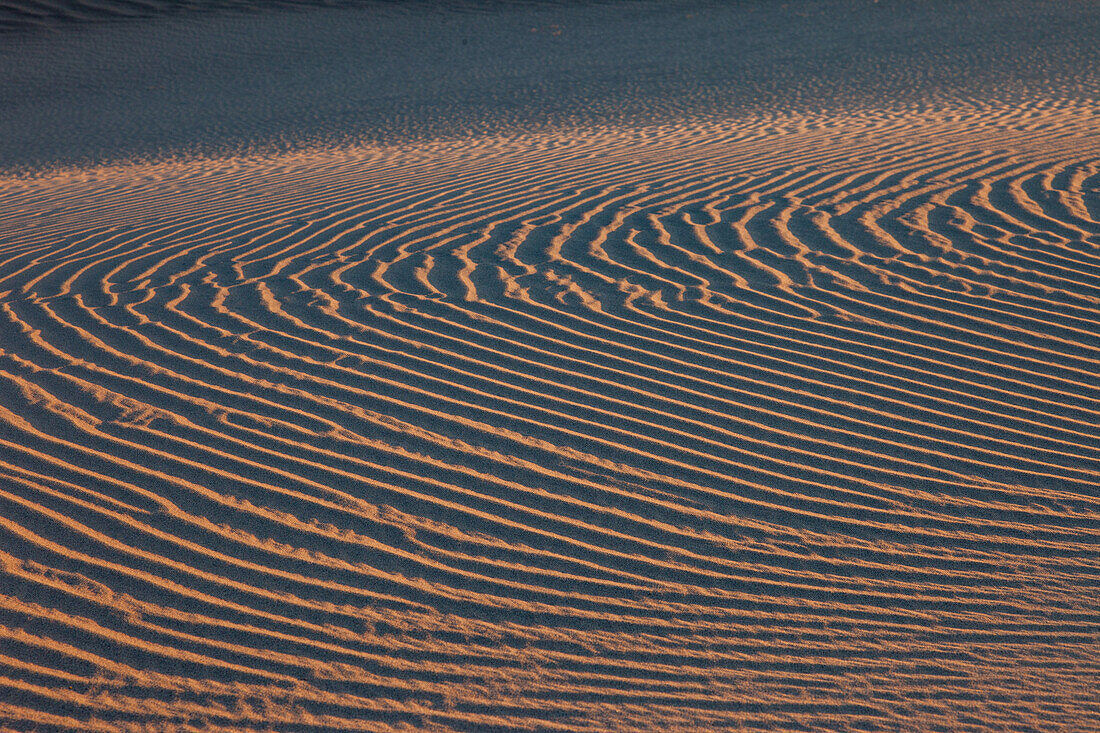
550 366
391 70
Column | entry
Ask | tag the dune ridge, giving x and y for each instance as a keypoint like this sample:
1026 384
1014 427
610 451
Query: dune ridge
783 422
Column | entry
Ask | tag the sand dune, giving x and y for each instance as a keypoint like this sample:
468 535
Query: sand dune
781 423
786 420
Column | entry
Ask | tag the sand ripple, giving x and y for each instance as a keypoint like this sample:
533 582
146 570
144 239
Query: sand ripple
789 422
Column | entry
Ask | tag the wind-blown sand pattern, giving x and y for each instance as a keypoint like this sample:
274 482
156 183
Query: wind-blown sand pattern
783 420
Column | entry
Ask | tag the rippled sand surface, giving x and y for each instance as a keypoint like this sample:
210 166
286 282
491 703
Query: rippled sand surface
676 392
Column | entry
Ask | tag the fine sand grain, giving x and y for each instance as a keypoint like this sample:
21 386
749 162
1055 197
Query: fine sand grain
570 389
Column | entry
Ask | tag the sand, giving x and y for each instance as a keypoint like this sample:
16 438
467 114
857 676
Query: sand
487 366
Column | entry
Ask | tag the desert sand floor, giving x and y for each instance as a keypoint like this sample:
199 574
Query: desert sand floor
773 404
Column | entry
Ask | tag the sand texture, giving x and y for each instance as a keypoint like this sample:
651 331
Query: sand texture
565 387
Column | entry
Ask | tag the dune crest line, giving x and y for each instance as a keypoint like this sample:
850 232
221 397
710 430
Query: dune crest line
783 421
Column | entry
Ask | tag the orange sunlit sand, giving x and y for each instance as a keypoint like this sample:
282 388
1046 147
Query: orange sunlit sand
781 414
